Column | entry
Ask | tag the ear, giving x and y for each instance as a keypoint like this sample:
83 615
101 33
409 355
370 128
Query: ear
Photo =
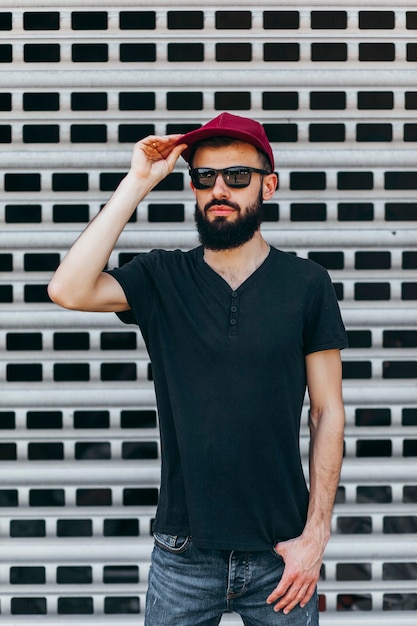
270 184
193 189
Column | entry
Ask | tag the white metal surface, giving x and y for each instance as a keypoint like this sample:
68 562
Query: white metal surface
93 509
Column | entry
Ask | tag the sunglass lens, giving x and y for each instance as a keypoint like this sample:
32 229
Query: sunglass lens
206 178
237 177
202 178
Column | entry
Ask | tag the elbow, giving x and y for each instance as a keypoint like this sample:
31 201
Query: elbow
60 295
331 418
314 415
54 292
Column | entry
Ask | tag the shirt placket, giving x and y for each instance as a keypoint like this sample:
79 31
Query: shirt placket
233 314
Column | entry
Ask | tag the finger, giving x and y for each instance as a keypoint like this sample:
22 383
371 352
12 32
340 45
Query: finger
162 141
308 594
291 599
280 590
169 150
294 597
289 586
157 146
148 147
175 153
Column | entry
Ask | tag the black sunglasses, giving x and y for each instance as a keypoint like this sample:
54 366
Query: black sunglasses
238 176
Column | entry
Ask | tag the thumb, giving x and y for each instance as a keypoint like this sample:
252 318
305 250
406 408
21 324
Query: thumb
281 548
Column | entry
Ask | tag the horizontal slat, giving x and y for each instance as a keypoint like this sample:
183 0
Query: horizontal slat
95 355
109 473
18 4
74 549
356 392
396 433
146 237
58 318
173 77
98 592
296 158
30 473
386 315
303 116
146 513
123 396
374 618
102 550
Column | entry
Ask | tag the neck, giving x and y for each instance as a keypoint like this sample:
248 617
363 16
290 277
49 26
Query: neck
237 264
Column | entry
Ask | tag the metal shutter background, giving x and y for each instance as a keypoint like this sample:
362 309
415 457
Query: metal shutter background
335 85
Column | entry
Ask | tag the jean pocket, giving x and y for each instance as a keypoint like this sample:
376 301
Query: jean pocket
277 555
175 544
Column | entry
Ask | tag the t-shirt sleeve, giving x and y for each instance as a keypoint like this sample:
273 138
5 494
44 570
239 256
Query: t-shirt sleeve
135 278
324 328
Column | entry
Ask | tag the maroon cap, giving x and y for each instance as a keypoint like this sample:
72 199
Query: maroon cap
228 125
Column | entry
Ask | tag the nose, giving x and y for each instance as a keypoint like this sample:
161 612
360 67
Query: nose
220 189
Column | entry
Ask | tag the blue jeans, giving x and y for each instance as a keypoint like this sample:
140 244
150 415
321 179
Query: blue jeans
193 587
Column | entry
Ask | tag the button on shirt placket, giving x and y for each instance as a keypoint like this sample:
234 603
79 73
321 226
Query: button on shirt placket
234 310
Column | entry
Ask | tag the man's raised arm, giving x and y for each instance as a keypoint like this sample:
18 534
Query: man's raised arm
79 282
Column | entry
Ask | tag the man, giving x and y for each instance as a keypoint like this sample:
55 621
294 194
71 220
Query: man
235 330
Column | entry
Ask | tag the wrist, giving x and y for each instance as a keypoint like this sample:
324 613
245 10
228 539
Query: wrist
138 185
317 530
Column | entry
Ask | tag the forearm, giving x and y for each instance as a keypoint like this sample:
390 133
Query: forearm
303 555
326 422
326 455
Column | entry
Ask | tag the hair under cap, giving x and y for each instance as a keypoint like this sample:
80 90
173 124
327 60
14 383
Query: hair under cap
228 125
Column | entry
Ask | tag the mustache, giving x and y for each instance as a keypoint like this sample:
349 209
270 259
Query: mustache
215 202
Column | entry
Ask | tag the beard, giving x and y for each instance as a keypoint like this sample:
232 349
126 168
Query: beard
221 234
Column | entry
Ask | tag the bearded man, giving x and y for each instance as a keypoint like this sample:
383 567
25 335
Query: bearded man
236 330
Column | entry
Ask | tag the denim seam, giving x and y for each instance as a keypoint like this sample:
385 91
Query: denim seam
234 595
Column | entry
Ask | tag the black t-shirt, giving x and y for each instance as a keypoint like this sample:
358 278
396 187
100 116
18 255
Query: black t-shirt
230 379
